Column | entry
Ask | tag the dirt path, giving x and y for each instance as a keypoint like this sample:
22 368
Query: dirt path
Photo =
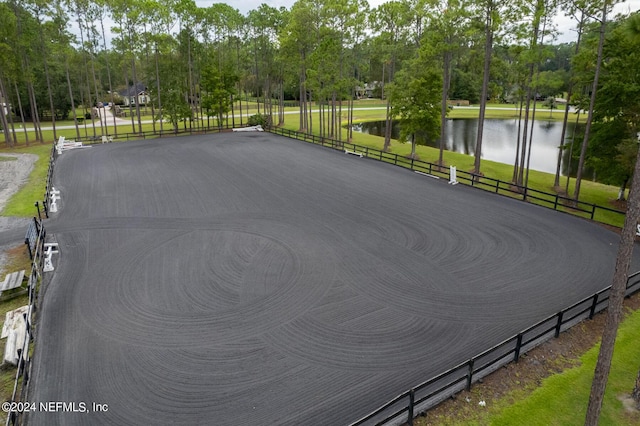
14 173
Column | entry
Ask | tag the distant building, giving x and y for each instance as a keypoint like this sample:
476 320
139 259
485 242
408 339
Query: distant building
4 104
129 95
370 90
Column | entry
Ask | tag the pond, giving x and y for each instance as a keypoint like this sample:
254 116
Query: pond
499 141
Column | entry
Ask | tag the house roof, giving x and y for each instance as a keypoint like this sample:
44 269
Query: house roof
134 90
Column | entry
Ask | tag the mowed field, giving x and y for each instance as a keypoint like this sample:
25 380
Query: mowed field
250 279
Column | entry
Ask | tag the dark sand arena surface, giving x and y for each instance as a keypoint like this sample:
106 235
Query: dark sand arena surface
250 279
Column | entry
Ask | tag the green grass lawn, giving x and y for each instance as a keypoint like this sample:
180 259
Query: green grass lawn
22 202
562 398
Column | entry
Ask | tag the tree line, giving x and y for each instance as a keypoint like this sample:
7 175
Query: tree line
199 65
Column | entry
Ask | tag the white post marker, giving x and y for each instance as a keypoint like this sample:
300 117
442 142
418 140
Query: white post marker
60 145
55 196
49 252
453 179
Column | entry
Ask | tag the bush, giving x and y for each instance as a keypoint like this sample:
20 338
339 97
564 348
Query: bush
259 119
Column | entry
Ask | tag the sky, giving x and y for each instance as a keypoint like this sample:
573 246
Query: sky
566 25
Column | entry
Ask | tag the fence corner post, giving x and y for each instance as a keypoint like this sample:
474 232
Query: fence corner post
592 312
470 375
559 324
516 357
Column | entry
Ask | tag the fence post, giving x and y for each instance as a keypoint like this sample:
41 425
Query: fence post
555 204
593 211
395 160
559 324
412 162
26 241
470 375
592 312
518 346
412 398
37 204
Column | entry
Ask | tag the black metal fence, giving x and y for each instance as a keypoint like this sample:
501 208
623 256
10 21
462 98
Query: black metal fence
545 199
97 139
403 408
407 405
49 186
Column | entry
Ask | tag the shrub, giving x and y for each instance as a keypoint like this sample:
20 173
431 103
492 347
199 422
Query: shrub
259 119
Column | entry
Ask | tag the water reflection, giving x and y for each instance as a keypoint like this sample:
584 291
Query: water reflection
499 140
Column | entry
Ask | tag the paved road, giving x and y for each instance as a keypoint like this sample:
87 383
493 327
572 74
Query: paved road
250 279
127 122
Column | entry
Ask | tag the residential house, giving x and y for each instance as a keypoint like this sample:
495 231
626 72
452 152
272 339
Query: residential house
129 95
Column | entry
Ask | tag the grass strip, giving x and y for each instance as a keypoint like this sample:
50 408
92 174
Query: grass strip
21 204
562 398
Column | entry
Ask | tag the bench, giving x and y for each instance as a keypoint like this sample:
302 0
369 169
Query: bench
15 331
12 280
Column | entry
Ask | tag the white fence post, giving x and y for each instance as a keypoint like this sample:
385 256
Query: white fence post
55 196
453 179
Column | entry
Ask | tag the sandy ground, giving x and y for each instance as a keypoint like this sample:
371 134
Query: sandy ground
13 174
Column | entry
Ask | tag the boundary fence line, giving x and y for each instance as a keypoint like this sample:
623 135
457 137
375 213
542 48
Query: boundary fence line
49 186
97 139
546 199
419 399
17 404
404 408
35 242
